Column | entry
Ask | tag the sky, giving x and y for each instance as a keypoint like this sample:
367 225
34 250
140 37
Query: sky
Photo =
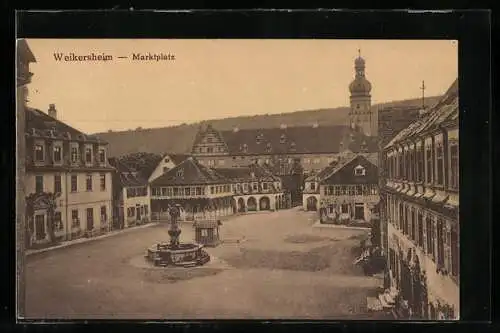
211 79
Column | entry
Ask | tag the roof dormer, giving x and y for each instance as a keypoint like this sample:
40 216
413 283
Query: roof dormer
359 171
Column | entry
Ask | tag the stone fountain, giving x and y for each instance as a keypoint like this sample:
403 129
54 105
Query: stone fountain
175 253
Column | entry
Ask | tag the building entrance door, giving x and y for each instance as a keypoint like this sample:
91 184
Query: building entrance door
359 211
40 227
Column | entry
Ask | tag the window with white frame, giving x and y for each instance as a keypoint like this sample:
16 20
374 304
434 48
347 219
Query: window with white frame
39 152
75 154
88 154
57 154
359 171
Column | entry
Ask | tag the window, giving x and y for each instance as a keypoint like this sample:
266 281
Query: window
39 153
414 229
210 150
102 155
440 242
420 223
180 173
90 219
344 208
209 139
455 253
420 164
401 217
359 190
165 169
343 190
359 171
313 186
88 155
307 160
198 191
439 164
454 177
102 181
352 190
212 190
39 183
74 154
57 184
74 183
104 214
75 221
264 186
89 182
58 225
57 154
405 222
317 161
430 236
428 162
221 162
187 191
146 210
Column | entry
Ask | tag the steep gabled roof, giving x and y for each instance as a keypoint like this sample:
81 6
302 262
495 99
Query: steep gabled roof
40 124
337 174
293 140
189 172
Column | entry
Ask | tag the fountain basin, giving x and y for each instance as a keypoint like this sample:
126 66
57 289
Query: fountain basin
183 255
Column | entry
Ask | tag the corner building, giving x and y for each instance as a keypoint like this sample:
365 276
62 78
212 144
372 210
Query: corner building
72 166
420 207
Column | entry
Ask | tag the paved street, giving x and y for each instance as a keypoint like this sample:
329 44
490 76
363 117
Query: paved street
272 266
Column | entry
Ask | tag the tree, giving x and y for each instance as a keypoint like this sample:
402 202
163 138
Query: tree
42 200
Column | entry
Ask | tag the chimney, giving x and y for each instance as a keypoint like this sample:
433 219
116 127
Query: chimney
52 111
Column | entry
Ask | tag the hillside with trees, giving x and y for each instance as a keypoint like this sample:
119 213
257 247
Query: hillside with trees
179 139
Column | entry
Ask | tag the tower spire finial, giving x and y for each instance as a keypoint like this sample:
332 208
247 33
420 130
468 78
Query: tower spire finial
423 94
359 53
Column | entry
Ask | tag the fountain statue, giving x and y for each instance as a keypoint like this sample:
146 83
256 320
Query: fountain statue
175 253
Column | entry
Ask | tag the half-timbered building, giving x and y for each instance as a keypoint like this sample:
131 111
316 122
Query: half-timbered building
202 192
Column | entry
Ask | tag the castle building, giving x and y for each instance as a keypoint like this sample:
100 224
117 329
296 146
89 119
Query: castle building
68 180
361 115
420 211
314 146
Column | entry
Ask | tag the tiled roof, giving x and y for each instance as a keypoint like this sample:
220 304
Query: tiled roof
444 110
40 124
323 172
297 140
245 173
348 177
190 171
177 158
127 176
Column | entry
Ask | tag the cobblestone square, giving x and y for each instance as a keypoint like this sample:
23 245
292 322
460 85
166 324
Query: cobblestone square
270 266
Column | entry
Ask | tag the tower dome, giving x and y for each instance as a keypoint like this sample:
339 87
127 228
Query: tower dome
359 62
360 86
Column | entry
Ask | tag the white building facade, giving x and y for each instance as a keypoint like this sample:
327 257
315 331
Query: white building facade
71 168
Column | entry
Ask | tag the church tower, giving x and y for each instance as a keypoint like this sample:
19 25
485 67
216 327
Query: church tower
361 116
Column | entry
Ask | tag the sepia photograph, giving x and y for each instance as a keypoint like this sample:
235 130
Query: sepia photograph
178 179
